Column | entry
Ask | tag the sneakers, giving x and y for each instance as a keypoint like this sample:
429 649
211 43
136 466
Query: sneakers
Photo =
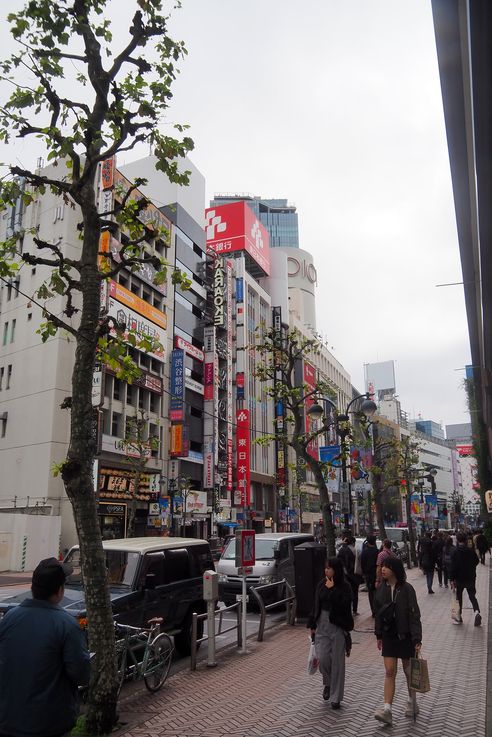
385 716
458 621
430 591
412 709
478 619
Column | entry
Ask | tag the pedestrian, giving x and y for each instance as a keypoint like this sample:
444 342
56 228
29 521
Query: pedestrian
43 659
386 552
463 575
398 629
330 622
368 562
437 547
346 554
428 559
447 553
482 545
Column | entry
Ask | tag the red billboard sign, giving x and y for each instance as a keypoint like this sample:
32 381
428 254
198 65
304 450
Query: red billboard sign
243 451
235 227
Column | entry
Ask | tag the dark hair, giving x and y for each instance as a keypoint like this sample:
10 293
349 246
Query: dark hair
48 577
395 565
338 575
448 542
461 537
387 544
371 539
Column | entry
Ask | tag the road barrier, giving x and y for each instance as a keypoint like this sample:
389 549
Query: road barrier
289 600
195 641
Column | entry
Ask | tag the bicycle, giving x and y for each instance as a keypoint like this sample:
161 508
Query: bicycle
155 662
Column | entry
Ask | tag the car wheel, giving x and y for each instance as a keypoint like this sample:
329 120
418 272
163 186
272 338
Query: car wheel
182 640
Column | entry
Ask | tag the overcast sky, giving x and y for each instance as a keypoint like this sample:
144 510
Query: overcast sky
336 106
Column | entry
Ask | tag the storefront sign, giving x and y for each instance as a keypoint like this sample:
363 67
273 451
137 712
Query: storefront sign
176 440
107 173
189 348
195 386
97 380
176 411
123 295
141 327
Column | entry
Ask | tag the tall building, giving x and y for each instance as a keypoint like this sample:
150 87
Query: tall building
459 433
279 218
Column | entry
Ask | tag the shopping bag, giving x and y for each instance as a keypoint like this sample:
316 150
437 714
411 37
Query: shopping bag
313 661
455 608
419 675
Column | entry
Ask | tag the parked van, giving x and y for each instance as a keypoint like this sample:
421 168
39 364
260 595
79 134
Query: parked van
274 561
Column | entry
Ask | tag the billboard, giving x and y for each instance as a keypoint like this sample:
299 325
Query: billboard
176 410
309 377
143 328
123 295
380 379
243 450
235 227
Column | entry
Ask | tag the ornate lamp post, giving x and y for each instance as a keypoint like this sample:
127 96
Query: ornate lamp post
344 430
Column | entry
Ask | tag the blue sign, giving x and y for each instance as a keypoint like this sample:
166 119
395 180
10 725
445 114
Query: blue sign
239 290
329 454
177 385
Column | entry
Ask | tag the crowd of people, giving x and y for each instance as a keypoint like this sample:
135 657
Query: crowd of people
393 603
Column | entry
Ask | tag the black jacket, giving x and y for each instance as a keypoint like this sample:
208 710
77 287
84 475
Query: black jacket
407 612
368 560
338 601
464 563
482 543
348 559
427 554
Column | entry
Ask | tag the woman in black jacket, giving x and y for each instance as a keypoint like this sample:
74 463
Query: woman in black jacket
330 623
398 629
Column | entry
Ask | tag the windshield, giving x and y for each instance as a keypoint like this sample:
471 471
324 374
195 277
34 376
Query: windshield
121 567
264 549
396 535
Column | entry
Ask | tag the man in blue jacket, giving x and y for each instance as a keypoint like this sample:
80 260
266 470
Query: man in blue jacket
43 658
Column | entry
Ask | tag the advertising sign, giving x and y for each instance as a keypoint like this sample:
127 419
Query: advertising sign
107 173
464 450
189 348
240 385
235 227
97 380
176 440
131 300
245 548
176 410
309 376
243 456
219 294
143 328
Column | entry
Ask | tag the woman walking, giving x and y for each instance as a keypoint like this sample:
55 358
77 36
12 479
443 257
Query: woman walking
330 623
399 633
447 554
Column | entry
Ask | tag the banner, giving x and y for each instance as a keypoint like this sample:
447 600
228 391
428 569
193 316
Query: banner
176 411
243 456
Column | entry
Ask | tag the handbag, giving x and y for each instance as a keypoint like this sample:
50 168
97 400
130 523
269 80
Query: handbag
455 608
313 661
387 616
419 675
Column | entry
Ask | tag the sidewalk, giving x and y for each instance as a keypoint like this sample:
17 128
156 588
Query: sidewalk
268 693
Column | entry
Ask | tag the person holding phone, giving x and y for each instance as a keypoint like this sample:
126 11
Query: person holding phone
398 629
330 622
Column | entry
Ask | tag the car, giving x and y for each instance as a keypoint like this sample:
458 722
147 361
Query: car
148 577
274 562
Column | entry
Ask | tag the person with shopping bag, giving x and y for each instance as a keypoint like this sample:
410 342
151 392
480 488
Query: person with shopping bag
398 629
330 622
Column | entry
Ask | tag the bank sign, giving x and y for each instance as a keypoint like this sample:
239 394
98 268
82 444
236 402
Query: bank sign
235 227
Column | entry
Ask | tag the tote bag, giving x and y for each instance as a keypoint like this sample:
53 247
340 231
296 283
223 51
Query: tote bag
419 675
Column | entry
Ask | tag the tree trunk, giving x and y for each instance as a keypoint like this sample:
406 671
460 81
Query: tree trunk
378 503
411 529
77 475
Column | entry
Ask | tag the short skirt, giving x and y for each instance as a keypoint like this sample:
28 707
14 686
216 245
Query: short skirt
394 647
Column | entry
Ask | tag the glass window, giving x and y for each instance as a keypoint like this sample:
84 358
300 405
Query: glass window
5 333
177 565
12 334
121 567
9 375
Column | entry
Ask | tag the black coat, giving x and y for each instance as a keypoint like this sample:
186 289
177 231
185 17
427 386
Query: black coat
338 601
427 554
368 561
407 612
464 563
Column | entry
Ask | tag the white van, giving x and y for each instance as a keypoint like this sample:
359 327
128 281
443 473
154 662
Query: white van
274 561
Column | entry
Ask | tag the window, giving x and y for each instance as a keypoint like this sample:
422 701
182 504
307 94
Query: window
153 567
177 565
3 429
154 403
9 375
12 334
29 316
116 388
116 424
5 333
2 371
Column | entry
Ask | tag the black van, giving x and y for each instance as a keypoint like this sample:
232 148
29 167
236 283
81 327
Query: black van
148 577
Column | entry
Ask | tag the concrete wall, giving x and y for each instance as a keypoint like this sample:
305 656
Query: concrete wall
25 539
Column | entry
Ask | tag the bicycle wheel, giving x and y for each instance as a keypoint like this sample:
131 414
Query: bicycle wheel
159 657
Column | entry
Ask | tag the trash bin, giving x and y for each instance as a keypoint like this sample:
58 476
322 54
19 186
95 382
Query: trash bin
309 568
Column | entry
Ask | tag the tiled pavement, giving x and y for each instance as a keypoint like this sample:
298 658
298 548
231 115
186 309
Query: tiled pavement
267 693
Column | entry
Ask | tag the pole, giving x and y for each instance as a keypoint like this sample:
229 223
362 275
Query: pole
211 662
244 612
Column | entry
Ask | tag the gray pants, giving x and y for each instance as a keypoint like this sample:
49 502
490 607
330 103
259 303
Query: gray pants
330 649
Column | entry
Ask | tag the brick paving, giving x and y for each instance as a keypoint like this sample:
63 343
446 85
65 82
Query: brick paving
267 693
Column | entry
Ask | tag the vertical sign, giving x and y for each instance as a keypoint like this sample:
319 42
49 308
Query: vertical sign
230 410
243 456
219 294
177 385
309 376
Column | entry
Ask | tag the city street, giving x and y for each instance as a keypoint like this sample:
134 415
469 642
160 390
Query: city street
268 692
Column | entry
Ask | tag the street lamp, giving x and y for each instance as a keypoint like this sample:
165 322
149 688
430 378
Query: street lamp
342 423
